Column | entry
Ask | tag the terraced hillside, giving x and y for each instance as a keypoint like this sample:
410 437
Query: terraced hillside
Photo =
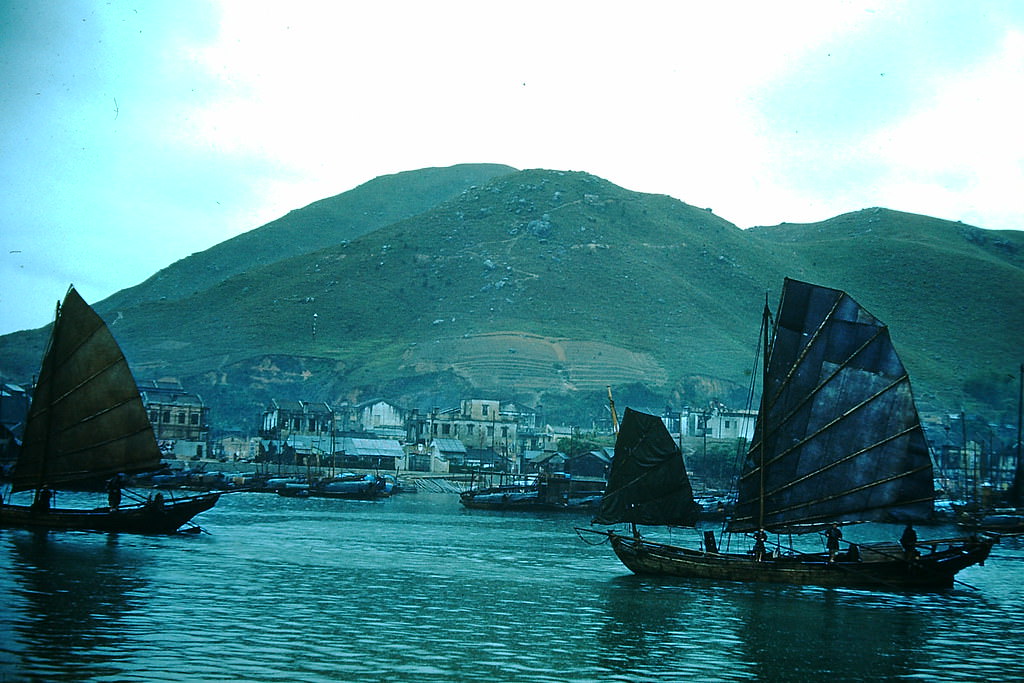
499 361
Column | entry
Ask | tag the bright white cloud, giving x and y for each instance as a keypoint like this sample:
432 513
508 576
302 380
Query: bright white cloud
962 153
228 115
658 95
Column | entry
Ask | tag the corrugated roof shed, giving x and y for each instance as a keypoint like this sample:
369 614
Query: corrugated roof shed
450 445
377 448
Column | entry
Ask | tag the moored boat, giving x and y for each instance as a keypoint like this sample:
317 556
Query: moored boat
345 486
547 493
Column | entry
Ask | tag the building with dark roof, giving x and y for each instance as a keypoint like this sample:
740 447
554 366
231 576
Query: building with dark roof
181 420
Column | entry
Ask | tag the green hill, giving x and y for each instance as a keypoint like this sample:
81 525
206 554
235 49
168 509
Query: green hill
344 217
546 286
951 294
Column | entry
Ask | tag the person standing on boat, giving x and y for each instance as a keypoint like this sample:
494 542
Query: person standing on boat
909 542
832 537
760 536
41 502
114 492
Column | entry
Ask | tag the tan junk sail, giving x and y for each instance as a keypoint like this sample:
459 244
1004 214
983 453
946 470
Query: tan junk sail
86 421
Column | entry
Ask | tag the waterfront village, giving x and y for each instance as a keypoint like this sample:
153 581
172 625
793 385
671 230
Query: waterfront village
455 443
476 441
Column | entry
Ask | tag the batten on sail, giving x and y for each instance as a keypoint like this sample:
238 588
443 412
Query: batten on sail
838 420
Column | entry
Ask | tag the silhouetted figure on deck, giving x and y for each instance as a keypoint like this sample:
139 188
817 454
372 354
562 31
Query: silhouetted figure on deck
832 537
156 503
909 542
114 492
851 555
41 503
759 550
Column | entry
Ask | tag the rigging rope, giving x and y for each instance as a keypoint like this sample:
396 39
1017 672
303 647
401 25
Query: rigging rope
607 536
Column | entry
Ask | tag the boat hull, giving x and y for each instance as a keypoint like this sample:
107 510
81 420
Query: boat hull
1010 523
531 505
526 500
881 567
150 518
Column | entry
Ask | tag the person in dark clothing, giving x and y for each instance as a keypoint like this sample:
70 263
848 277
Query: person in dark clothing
832 537
41 502
853 554
909 542
759 550
114 492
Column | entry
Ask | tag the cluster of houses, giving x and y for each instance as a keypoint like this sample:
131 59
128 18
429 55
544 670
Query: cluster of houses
476 435
479 434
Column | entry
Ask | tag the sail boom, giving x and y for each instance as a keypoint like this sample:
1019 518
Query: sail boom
808 523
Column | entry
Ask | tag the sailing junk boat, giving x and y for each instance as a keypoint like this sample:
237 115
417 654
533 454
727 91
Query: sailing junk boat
837 440
87 424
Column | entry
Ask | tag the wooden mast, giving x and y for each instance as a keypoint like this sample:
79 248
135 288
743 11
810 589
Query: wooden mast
615 428
611 407
44 461
766 325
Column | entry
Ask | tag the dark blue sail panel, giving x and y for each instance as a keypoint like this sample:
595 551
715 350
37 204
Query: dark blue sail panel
838 436
648 482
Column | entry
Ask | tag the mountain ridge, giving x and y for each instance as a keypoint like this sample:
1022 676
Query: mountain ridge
545 286
371 205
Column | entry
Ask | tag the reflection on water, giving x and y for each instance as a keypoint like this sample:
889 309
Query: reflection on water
659 629
799 632
69 598
417 588
699 630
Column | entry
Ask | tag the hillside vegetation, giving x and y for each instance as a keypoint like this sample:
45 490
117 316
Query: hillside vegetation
334 220
544 287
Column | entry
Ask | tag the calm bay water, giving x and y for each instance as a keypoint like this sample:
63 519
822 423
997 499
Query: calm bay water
416 588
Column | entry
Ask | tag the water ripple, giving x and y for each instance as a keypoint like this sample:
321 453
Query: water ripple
419 589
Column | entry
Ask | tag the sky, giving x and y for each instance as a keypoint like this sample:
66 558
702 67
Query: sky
133 134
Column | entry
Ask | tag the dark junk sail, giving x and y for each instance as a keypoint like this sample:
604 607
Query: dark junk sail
86 421
837 436
647 483
87 424
837 441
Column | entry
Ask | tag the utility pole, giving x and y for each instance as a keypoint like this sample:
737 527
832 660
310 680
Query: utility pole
1017 494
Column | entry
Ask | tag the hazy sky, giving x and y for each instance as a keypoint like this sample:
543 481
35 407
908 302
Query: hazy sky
133 134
